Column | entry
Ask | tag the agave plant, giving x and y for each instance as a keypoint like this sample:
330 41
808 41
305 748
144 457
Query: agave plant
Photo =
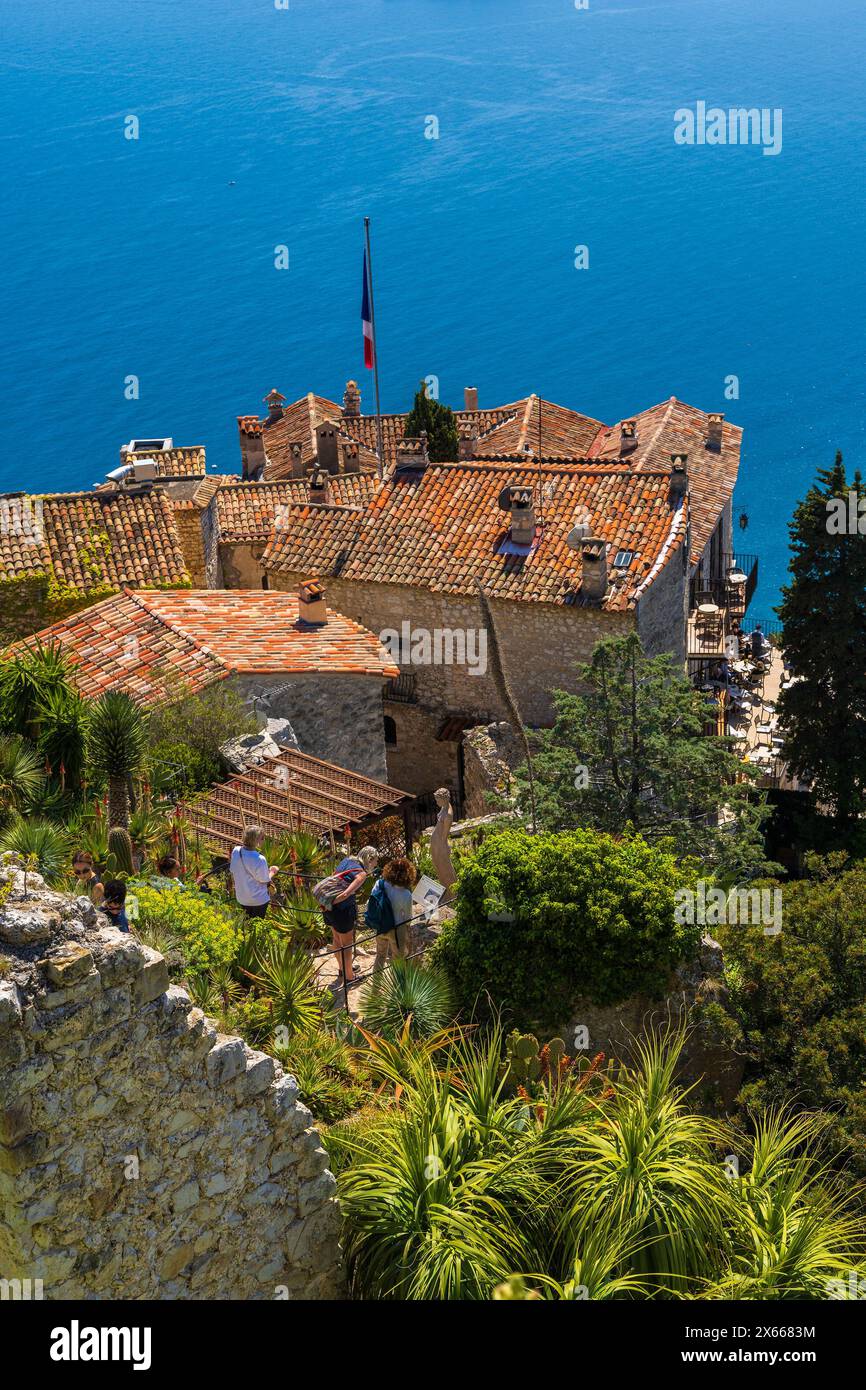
301 918
27 682
62 718
307 856
39 840
284 976
406 992
22 777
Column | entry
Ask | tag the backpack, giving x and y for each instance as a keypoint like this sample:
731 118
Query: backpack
379 914
327 889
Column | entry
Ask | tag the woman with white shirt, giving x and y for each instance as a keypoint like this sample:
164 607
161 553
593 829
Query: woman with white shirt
250 873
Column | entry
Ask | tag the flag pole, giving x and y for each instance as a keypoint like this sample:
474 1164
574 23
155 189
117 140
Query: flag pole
380 449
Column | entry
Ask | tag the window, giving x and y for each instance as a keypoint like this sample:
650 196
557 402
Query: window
623 559
390 732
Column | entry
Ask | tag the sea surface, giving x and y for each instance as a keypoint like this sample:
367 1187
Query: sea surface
261 127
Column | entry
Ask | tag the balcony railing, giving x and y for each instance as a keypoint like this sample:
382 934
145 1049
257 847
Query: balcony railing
402 689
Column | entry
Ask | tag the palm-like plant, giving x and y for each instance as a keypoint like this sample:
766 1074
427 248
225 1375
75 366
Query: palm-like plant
284 977
21 775
46 844
116 747
27 682
61 722
407 992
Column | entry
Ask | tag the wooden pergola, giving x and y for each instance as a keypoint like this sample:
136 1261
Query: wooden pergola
296 792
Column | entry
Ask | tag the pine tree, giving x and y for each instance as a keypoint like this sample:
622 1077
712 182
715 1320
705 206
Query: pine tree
440 424
823 613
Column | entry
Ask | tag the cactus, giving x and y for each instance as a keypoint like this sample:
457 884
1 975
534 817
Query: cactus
526 1063
120 850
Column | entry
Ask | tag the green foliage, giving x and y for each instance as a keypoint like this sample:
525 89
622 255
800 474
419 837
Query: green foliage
120 850
284 977
117 731
186 732
407 994
543 919
526 1064
440 424
207 932
801 1002
605 1189
823 611
43 842
21 776
638 731
28 680
330 1074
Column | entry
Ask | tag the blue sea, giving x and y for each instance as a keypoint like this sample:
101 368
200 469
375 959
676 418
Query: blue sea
261 126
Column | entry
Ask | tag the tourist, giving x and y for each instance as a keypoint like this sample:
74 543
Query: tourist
114 904
342 915
757 643
87 879
169 873
250 873
399 877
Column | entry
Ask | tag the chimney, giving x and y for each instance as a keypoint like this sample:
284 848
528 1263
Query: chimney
522 507
627 437
252 446
593 554
311 604
351 460
714 431
412 455
327 451
275 402
468 440
470 397
351 399
319 490
679 475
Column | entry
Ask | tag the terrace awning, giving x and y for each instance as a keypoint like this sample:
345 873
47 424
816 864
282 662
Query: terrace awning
293 792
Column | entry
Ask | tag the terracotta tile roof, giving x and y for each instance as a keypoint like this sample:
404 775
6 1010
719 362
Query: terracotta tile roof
565 434
187 462
298 425
674 427
90 539
120 644
443 529
252 511
315 795
151 639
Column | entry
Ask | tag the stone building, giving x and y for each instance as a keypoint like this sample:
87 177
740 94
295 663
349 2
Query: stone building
143 1155
288 655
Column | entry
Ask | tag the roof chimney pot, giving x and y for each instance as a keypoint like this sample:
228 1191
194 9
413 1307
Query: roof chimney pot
311 604
351 399
470 397
715 423
327 449
593 554
679 475
627 437
275 401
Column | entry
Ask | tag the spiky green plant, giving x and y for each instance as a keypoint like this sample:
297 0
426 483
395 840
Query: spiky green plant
21 775
406 991
120 851
27 682
284 977
43 842
116 747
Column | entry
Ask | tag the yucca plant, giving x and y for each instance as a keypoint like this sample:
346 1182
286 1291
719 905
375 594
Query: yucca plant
46 844
61 721
330 1076
22 777
284 977
116 747
307 855
27 682
300 916
406 991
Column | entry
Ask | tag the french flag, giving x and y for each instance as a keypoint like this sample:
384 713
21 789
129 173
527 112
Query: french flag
367 318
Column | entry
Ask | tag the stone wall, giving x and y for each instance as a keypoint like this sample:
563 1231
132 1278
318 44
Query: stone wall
338 718
490 755
142 1154
188 521
542 643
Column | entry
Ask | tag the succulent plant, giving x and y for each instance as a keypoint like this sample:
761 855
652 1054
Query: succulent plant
120 850
525 1062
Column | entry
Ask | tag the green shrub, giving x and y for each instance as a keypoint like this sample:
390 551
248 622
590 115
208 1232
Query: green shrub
407 991
543 919
183 768
330 1077
207 931
800 998
41 842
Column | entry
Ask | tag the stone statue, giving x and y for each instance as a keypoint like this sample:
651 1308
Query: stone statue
440 851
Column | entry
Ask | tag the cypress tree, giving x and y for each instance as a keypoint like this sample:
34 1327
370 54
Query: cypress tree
823 613
440 423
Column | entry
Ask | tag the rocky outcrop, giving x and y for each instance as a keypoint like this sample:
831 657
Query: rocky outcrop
142 1154
491 752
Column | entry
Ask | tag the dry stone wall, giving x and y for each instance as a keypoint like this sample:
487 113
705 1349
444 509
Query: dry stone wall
142 1154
